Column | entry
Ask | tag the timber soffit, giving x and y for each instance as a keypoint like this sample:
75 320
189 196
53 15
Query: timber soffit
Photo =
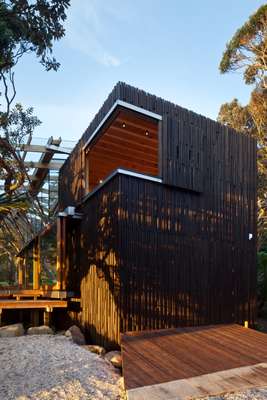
123 104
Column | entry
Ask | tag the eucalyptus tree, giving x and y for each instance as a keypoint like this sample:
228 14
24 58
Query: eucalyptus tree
247 52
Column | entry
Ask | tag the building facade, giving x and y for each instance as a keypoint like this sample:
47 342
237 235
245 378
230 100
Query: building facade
158 219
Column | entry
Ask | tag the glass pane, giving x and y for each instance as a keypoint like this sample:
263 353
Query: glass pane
7 271
48 257
28 271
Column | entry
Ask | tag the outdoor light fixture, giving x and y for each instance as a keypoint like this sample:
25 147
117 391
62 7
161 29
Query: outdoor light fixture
123 125
100 181
147 133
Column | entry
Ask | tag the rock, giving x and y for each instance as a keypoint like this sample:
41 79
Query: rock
95 349
12 330
76 335
40 330
115 358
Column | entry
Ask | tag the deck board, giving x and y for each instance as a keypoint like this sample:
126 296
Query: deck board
215 384
171 355
10 304
16 292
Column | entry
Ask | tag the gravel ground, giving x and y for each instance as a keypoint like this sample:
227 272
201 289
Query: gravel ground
52 367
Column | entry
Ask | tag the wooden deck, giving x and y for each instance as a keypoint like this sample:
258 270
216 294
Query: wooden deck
193 362
9 304
24 293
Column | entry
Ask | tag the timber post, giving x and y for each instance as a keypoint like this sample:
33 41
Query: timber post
35 317
20 265
61 251
47 316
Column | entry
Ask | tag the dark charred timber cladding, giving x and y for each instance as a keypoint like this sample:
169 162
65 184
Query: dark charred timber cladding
149 255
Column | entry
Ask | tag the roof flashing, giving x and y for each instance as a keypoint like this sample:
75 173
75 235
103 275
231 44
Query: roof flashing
122 172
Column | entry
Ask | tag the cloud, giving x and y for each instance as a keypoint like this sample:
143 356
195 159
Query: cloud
86 31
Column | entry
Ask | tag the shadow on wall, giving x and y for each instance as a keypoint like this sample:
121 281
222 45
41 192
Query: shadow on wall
93 265
124 283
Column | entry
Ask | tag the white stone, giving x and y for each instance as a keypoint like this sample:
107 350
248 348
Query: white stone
95 349
76 334
40 330
12 330
114 357
68 333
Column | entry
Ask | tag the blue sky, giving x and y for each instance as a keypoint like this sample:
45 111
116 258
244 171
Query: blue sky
170 48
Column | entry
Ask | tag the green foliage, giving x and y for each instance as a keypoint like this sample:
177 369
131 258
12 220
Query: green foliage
247 49
30 26
19 125
262 276
236 116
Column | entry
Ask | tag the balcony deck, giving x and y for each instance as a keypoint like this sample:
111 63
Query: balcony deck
12 292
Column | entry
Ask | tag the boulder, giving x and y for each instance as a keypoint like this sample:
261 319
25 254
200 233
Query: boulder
93 348
76 335
114 357
40 330
12 330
